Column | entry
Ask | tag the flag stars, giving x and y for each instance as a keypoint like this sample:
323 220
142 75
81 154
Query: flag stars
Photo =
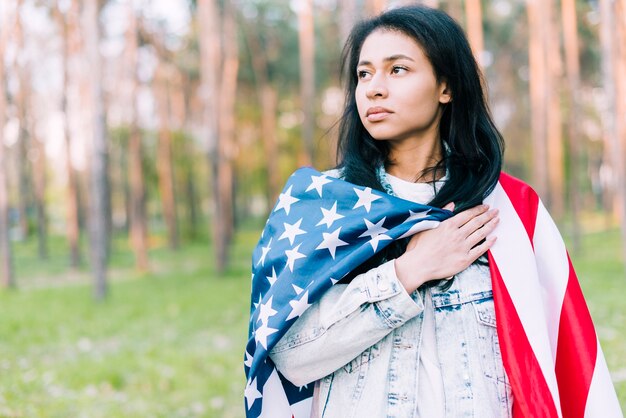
252 393
299 306
272 279
365 198
261 334
266 311
331 242
285 200
317 182
248 361
376 231
293 255
264 251
329 216
292 231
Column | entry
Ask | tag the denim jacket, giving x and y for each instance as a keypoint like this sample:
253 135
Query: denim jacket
360 344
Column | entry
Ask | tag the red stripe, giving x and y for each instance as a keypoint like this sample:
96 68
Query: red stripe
531 395
576 351
525 201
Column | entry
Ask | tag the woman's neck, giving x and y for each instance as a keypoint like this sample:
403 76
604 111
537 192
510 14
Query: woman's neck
409 159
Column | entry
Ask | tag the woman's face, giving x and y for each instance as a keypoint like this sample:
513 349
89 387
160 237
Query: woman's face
397 95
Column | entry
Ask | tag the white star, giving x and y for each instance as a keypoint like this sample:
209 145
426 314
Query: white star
252 393
303 387
248 360
266 311
331 242
419 226
365 198
297 289
261 334
376 231
256 305
330 216
285 200
317 183
293 255
299 306
272 278
292 231
264 251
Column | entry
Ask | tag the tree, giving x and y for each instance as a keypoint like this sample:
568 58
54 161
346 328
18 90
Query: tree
138 221
267 97
473 12
572 66
538 87
162 87
69 23
6 256
306 38
99 231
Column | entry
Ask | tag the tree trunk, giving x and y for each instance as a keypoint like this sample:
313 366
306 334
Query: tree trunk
473 12
620 82
138 223
572 65
164 155
347 18
6 257
69 25
376 7
306 40
99 159
228 93
556 163
39 176
210 66
268 102
538 87
24 196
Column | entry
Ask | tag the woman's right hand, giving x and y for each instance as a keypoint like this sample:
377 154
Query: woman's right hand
450 248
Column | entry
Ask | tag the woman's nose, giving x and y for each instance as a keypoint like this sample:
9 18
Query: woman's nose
376 87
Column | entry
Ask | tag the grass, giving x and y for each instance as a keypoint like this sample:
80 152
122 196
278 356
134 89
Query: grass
169 343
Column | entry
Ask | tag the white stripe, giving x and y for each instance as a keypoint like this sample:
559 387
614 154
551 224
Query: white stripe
553 270
516 262
602 400
275 403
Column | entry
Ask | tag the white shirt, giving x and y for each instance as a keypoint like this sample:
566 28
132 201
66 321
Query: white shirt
430 392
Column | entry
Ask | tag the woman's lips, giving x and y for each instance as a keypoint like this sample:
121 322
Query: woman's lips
375 114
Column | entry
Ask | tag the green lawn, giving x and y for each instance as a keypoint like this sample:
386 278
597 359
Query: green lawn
170 343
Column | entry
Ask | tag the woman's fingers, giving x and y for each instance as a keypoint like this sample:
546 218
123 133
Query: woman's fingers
479 250
464 217
478 222
481 233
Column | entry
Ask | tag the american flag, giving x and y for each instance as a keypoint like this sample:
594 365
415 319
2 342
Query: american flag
322 228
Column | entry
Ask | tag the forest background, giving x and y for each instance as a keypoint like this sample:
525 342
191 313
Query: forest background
144 142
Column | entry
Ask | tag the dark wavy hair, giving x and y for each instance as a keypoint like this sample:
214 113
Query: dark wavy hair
473 159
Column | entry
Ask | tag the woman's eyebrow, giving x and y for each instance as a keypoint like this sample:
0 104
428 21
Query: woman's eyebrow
388 59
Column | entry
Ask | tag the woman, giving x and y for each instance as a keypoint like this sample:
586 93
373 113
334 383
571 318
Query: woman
412 331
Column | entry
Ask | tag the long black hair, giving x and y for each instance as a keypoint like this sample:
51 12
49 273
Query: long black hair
473 145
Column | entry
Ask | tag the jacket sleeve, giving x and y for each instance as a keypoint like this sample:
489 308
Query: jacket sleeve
346 321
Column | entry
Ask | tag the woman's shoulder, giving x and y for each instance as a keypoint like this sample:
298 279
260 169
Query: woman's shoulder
511 183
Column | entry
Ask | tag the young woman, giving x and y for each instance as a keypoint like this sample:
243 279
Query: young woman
412 332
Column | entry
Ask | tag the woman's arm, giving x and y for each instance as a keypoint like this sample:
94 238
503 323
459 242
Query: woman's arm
346 321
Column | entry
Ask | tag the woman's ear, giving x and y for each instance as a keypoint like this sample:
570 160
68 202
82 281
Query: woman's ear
445 95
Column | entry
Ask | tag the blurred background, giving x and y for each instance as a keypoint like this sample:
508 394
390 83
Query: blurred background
143 143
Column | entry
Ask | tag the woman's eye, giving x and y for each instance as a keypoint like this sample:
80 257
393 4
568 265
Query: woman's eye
398 70
362 74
